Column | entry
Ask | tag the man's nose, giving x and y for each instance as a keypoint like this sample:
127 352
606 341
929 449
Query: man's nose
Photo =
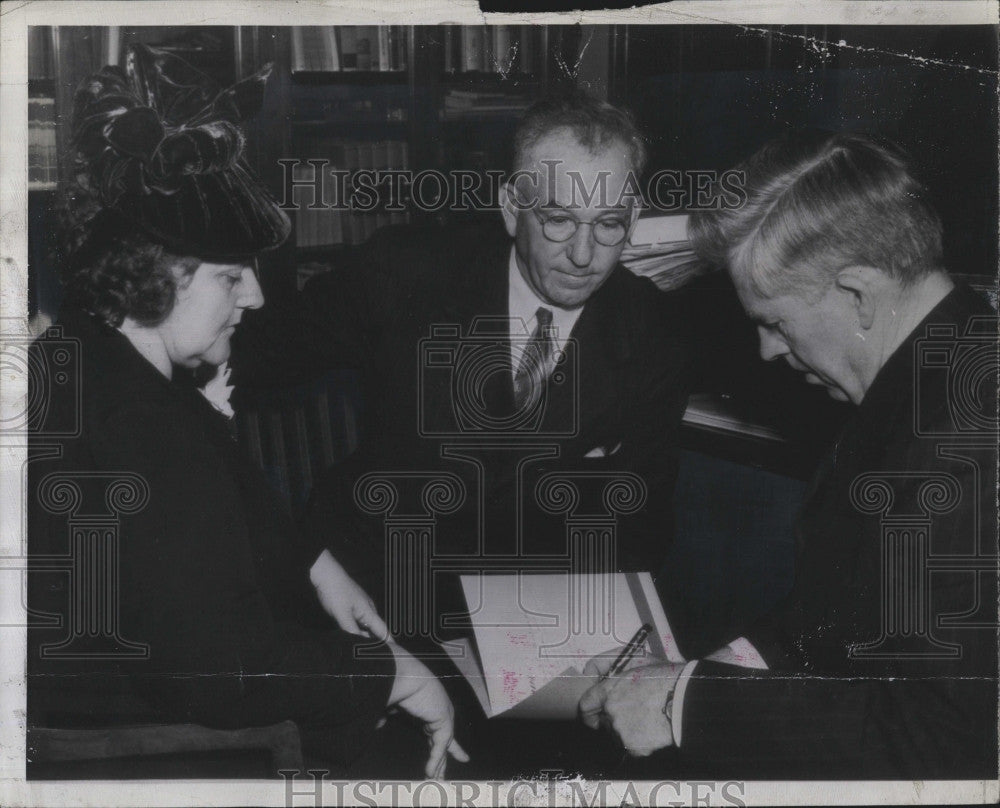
581 246
771 345
253 295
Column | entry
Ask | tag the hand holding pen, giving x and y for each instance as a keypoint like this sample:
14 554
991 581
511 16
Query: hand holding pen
628 653
631 706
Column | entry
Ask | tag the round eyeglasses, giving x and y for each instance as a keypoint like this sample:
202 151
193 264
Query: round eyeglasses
558 227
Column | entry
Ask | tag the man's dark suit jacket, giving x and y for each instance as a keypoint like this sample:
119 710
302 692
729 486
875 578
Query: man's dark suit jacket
822 711
623 393
211 575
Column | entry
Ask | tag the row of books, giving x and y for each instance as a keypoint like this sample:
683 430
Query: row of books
473 103
499 49
42 153
335 223
659 250
332 48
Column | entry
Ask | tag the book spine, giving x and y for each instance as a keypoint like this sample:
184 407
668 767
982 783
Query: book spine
331 53
298 50
384 54
449 48
486 55
526 50
402 47
472 48
367 44
348 47
502 56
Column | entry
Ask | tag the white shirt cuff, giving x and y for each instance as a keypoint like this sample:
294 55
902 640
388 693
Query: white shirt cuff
677 712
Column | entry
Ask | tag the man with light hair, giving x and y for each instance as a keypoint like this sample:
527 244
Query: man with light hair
882 660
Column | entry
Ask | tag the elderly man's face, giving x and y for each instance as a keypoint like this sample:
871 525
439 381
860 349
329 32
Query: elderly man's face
566 273
817 337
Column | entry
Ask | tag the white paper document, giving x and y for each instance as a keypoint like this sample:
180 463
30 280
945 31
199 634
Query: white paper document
535 633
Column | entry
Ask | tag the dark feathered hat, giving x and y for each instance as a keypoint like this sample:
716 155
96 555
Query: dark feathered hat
160 143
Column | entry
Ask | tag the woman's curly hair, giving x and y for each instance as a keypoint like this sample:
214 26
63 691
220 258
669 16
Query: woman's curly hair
109 268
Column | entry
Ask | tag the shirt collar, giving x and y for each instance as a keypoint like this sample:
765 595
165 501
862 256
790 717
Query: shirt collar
522 303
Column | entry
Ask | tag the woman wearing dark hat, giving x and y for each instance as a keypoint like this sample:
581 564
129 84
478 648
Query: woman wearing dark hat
205 615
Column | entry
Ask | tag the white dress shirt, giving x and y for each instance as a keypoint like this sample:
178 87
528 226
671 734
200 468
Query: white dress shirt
522 305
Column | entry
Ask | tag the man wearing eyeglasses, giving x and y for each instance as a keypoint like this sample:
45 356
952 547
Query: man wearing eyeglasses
495 357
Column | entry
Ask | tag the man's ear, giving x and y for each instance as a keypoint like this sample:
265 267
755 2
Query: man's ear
862 283
508 209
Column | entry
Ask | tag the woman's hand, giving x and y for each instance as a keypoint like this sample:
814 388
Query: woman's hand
344 600
418 692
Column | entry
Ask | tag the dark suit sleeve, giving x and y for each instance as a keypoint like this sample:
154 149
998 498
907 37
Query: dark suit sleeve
762 724
822 714
191 591
654 405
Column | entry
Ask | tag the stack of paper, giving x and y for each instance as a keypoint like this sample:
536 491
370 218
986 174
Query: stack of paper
535 633
659 250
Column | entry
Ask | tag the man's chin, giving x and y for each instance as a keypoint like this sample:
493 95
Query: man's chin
569 298
832 389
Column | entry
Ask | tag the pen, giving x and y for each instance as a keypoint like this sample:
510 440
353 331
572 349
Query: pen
629 651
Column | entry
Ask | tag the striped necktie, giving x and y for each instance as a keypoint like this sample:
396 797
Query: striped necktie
529 380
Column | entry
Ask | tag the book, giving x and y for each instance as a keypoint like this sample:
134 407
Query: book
331 52
535 633
472 47
348 46
451 40
398 47
526 50
367 42
503 51
314 49
384 58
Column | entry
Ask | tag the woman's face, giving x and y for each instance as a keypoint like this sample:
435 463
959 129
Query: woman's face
208 306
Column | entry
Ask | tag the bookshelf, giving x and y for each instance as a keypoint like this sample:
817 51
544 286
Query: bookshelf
420 98
416 98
